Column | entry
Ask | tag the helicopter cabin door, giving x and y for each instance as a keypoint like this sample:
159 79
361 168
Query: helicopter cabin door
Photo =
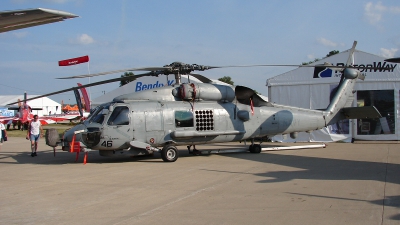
118 129
154 126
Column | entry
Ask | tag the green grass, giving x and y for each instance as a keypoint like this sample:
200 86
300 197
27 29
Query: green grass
22 133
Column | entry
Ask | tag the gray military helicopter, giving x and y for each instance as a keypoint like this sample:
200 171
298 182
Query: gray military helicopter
158 120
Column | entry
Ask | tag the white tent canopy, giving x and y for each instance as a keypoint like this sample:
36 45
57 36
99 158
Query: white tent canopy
46 104
309 87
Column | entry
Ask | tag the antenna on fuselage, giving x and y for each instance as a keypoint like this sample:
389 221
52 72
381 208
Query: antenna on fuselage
177 78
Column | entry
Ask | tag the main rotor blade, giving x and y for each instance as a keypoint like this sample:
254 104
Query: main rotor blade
88 85
283 65
180 68
117 71
351 54
393 60
201 78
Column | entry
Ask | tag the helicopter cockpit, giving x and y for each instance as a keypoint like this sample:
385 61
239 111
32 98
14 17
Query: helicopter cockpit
119 115
105 121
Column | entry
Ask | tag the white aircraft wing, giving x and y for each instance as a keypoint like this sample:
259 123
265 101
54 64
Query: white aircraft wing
18 19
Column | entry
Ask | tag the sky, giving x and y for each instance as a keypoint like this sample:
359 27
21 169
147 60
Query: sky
123 34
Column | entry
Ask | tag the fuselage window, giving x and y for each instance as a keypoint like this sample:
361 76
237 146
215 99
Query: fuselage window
120 116
183 119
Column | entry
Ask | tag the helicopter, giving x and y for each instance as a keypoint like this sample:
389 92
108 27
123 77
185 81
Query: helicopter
160 119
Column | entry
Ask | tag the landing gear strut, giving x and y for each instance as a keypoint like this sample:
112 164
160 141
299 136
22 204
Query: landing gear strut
195 151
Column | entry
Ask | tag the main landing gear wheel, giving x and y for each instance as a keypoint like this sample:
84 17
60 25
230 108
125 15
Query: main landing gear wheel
255 148
169 153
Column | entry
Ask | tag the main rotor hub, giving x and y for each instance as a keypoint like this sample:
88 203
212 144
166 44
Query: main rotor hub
179 68
183 68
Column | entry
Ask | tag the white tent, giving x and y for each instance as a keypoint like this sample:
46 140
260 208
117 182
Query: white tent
46 104
310 87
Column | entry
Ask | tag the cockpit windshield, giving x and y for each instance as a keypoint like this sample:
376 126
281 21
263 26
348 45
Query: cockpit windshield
97 116
120 116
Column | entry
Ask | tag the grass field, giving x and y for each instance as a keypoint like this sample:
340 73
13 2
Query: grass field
22 133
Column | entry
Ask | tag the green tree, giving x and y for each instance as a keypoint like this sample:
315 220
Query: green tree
226 79
127 74
331 53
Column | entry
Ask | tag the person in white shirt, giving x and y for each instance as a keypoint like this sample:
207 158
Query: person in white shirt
2 127
35 131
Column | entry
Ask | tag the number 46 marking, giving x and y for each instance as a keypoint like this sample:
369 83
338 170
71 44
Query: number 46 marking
107 144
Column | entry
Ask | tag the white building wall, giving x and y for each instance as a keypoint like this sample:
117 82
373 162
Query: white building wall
46 104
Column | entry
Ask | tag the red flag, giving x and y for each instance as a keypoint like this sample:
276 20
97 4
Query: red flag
74 61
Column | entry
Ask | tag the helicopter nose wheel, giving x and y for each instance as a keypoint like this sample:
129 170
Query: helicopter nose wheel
169 153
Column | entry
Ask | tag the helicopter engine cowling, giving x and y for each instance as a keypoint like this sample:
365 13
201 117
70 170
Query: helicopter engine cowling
206 92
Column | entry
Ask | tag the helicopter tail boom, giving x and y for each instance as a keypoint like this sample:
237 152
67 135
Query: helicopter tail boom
338 108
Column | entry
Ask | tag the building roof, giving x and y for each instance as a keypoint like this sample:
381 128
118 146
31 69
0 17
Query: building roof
362 60
40 102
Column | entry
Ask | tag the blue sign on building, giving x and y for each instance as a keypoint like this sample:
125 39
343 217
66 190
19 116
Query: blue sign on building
6 112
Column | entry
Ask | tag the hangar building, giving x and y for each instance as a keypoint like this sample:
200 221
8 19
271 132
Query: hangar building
309 87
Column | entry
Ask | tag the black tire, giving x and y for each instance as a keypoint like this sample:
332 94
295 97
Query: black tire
52 137
255 148
169 153
251 148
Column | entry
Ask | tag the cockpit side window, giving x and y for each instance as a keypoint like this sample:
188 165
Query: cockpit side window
120 116
183 119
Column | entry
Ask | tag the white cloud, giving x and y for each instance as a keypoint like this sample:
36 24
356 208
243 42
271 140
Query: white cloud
374 12
388 53
327 42
83 39
311 56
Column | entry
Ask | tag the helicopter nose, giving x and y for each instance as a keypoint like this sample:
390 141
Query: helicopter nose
92 137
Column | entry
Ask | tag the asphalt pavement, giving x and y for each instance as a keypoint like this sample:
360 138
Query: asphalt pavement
341 184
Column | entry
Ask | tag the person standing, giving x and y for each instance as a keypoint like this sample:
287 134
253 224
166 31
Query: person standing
35 131
2 128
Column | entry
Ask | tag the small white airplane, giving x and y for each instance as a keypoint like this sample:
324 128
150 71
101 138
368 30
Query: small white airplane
18 19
